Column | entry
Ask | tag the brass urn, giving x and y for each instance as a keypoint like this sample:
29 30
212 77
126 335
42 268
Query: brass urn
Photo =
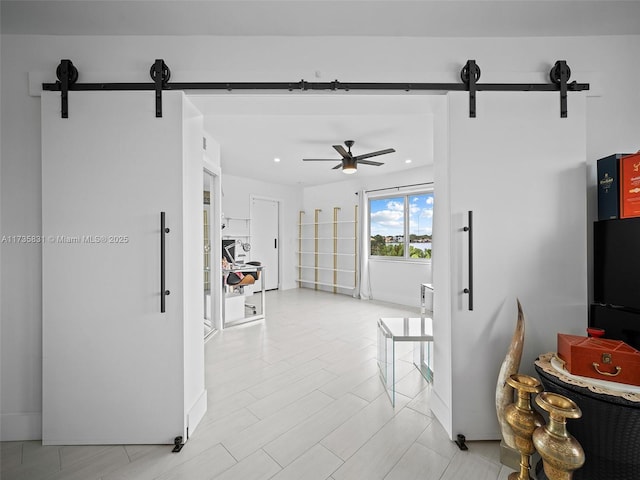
523 420
561 453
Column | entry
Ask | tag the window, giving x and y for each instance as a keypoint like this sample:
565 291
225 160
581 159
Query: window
401 226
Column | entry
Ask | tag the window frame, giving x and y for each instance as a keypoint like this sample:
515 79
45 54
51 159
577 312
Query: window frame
405 196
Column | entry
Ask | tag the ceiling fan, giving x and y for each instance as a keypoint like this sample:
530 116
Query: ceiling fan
349 161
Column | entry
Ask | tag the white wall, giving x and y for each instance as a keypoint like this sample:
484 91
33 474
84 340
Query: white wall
610 63
195 397
391 281
26 433
236 193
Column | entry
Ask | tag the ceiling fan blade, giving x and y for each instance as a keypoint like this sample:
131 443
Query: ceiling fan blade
342 151
369 162
320 160
337 167
374 154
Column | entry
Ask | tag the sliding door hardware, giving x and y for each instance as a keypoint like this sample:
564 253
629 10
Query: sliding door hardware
560 73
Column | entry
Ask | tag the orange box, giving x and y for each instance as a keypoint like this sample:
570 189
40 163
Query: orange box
600 358
630 186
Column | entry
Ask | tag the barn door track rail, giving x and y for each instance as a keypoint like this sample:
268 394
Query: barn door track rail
559 75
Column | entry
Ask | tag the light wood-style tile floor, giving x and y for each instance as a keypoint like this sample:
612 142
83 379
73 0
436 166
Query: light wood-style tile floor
294 397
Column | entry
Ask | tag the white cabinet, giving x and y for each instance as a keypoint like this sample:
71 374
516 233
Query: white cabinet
116 369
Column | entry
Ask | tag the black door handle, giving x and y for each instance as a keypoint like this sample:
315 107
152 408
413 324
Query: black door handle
469 291
163 291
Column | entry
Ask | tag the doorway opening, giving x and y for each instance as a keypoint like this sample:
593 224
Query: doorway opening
208 207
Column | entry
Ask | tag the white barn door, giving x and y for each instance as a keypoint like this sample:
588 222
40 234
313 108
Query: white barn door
115 368
521 169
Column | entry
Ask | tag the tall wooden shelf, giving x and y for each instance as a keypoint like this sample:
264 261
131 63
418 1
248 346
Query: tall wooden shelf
328 251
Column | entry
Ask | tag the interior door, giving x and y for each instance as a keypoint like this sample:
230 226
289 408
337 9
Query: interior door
265 243
521 169
113 368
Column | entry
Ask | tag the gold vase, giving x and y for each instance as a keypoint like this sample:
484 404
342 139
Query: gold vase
561 453
523 420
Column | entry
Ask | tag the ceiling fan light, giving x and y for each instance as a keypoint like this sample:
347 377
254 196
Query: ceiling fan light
349 166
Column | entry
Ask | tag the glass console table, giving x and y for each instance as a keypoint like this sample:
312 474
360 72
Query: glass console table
391 330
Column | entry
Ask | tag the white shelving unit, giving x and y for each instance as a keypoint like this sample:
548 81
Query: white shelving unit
327 252
239 229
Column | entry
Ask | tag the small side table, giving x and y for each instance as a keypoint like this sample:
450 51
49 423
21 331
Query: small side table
392 330
609 426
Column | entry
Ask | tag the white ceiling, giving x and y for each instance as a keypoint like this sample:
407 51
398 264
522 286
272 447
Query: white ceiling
253 130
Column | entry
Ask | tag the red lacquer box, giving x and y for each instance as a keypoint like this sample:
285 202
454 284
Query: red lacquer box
600 358
630 186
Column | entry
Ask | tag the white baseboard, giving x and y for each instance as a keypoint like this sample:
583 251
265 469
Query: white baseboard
16 427
197 411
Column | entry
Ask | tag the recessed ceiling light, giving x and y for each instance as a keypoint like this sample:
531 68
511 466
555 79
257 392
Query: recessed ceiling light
408 160
276 160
